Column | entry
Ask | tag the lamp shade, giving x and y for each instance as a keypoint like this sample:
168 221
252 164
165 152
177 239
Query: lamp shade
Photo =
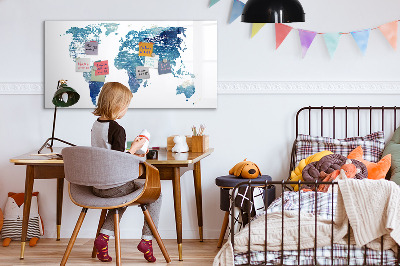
273 11
65 96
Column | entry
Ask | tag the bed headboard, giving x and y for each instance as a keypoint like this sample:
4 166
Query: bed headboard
344 121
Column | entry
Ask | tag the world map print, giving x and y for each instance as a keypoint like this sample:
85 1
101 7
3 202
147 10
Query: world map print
163 78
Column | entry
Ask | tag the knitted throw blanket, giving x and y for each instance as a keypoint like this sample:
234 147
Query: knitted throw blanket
373 209
274 235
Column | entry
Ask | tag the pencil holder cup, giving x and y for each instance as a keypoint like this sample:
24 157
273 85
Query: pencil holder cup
200 143
152 155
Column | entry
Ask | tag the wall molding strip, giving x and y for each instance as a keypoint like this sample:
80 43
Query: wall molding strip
309 87
259 87
22 88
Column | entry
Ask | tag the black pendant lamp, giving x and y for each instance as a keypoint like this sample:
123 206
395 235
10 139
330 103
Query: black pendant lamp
273 11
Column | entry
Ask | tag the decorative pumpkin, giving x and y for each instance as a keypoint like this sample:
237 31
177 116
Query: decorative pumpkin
245 169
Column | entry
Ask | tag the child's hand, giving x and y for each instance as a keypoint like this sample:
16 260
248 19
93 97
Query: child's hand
137 144
143 155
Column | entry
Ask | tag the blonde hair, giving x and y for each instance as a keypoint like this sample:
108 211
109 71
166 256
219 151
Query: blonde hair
113 98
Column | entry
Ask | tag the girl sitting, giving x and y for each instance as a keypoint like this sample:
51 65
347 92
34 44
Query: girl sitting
112 104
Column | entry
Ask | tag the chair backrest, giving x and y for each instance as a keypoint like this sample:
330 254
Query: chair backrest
92 166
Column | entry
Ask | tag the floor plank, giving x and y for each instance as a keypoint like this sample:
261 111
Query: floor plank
50 252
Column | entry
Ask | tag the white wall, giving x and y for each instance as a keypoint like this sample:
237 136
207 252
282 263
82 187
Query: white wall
259 127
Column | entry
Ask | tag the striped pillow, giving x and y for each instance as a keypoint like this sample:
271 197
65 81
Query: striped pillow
372 145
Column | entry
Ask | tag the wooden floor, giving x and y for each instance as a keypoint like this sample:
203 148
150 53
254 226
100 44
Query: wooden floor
50 252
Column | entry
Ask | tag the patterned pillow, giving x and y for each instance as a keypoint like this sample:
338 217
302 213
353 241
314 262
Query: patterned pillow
372 144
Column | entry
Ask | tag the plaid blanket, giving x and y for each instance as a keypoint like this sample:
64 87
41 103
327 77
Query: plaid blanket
323 205
324 257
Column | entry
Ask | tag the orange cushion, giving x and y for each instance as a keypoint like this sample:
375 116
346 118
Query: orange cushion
375 170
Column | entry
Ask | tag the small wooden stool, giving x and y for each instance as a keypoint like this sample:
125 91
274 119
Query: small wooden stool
226 183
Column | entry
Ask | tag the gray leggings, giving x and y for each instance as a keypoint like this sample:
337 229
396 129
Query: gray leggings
154 208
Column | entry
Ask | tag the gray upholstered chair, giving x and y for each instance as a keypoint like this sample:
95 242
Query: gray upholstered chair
85 167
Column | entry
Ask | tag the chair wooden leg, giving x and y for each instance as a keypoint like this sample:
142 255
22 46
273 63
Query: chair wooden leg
154 230
101 222
73 237
223 229
117 239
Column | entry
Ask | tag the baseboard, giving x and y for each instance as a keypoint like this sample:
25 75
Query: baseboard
259 87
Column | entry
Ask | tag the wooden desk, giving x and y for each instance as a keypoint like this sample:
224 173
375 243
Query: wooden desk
171 167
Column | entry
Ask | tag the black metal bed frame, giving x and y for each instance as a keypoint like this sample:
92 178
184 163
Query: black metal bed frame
283 184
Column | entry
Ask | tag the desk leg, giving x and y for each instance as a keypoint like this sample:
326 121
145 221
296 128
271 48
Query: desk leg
60 190
176 183
27 206
199 204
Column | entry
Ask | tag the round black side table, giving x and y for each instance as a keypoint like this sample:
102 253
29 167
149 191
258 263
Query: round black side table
228 182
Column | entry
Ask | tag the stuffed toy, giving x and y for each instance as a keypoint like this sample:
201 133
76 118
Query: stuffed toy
13 215
180 144
245 169
375 170
296 174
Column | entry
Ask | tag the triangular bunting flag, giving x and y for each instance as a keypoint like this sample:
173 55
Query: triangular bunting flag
281 31
332 41
237 8
361 38
213 2
389 30
255 28
306 39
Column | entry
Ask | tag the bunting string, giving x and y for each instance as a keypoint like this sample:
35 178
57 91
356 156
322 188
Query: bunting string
343 33
361 37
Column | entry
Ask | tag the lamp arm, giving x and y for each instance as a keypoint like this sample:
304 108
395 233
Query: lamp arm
46 143
54 118
54 126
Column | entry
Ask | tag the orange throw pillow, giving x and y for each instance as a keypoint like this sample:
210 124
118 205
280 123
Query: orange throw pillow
375 170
